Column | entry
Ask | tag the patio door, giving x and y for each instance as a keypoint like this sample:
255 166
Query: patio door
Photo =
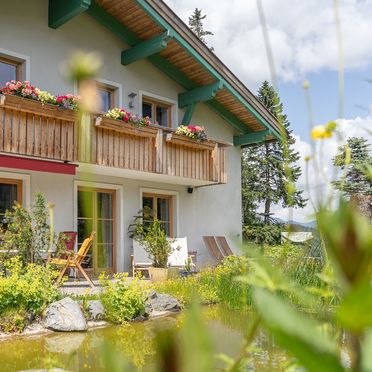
96 212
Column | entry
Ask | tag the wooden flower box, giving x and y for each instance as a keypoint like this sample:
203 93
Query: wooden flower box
37 108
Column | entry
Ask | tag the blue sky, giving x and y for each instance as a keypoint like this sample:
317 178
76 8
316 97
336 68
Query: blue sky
304 44
324 98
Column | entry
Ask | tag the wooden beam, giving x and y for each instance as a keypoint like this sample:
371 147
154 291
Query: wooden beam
61 11
228 116
250 138
188 114
150 10
130 38
145 48
200 94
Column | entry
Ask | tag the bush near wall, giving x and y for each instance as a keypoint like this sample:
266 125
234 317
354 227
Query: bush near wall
24 293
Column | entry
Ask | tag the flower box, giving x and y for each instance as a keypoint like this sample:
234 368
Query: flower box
179 139
36 107
123 127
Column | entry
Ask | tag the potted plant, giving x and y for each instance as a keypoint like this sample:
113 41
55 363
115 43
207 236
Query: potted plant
150 234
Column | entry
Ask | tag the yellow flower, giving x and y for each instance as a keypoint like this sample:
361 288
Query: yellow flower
307 158
306 84
320 132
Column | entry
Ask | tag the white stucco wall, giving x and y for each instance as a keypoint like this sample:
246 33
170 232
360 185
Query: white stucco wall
212 210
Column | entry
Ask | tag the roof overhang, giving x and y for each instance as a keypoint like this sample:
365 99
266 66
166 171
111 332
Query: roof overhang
154 32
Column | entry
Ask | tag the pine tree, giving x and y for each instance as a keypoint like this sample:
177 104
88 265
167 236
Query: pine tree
355 181
196 25
269 167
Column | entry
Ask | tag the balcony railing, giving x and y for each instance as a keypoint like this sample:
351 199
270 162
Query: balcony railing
30 128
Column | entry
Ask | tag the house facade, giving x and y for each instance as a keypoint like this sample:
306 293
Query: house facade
153 65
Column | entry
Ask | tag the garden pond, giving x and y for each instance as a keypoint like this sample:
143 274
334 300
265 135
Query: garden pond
83 351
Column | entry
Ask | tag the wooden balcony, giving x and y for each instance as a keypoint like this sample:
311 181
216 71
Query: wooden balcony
44 131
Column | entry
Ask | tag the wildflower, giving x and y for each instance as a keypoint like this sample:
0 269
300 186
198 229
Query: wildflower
306 84
307 158
320 132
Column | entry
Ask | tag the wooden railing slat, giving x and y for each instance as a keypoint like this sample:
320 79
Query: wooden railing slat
105 142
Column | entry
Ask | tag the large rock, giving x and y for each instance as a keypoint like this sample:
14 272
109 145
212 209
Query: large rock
96 310
65 315
157 302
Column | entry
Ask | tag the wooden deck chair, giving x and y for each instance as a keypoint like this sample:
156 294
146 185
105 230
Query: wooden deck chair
213 249
75 260
224 246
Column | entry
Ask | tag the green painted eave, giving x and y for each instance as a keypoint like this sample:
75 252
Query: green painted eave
200 94
131 39
61 11
146 48
250 138
163 23
186 120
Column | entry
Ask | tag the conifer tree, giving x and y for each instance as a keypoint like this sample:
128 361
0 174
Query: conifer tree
355 180
196 25
268 168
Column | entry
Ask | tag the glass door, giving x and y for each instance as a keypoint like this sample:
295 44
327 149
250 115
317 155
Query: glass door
96 212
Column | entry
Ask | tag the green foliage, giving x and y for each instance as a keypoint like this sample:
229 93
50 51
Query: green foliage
151 235
353 159
348 238
263 233
218 285
14 321
268 168
123 300
30 288
27 232
196 25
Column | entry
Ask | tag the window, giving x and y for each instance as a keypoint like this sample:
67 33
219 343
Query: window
107 95
158 112
162 207
10 192
9 70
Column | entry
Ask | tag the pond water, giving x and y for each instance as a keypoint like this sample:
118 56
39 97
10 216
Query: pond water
83 351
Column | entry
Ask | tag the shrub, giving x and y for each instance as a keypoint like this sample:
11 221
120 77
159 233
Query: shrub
263 233
26 289
28 232
155 242
122 300
219 285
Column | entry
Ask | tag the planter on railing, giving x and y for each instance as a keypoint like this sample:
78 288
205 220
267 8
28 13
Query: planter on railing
29 127
36 107
123 127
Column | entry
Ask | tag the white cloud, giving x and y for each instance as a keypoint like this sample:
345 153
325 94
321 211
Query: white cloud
302 34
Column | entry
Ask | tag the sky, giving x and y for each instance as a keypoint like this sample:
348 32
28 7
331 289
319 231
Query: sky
304 43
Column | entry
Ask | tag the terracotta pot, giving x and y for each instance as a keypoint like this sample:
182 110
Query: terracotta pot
158 274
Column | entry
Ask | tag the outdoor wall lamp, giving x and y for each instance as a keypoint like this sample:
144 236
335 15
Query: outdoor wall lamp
131 101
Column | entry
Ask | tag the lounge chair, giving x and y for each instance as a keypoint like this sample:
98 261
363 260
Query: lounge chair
141 261
75 260
224 246
213 248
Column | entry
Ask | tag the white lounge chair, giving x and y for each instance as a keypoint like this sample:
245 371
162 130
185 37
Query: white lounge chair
142 262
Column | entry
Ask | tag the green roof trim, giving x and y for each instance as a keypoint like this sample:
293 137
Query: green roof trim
200 94
163 23
145 48
186 120
250 138
130 38
59 12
